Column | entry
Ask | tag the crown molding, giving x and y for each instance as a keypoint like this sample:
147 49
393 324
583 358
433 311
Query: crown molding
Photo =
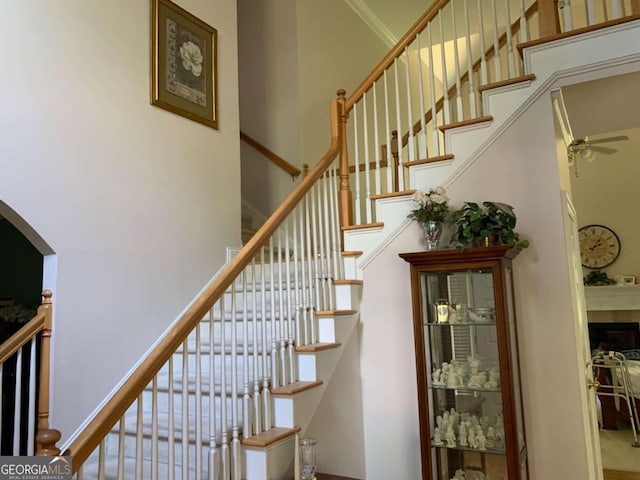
373 22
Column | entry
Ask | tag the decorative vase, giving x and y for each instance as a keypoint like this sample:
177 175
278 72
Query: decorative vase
432 231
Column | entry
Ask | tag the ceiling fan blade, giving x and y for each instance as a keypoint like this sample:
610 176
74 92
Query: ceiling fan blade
609 139
603 149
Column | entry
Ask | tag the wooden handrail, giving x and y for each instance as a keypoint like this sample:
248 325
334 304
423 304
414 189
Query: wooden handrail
21 337
118 404
278 160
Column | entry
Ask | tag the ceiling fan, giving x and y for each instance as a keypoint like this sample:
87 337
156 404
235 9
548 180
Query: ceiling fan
587 148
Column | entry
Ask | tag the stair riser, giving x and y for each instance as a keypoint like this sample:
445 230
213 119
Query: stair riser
273 462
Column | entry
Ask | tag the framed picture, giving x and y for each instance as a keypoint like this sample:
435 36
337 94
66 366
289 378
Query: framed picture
183 63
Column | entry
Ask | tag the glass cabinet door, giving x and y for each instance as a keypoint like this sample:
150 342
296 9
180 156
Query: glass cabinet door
471 424
464 391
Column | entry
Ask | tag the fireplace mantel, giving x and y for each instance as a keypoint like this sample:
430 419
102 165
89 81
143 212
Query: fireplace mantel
614 297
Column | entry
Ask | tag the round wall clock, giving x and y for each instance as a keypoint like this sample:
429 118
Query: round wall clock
599 246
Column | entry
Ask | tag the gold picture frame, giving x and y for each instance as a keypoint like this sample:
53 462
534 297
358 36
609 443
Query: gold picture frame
183 63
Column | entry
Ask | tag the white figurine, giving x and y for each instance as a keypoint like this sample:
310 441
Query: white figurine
436 376
439 421
474 364
472 438
459 475
462 437
451 437
481 441
437 437
491 433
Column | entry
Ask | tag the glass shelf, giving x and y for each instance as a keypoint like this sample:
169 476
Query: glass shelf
466 389
486 451
461 324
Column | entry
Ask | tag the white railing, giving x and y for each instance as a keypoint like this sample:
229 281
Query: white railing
196 398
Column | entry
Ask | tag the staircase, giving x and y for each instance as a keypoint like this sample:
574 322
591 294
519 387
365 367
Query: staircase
140 445
242 372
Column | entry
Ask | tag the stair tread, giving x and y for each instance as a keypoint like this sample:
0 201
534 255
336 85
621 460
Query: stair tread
295 387
317 347
392 194
363 226
504 83
272 435
347 282
334 313
440 158
464 123
352 253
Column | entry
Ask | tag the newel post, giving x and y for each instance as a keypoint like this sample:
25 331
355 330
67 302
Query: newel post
548 17
46 437
344 199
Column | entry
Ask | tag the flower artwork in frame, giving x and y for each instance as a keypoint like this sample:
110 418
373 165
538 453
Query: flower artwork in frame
183 63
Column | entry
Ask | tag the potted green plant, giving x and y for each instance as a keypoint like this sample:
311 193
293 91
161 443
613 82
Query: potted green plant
488 224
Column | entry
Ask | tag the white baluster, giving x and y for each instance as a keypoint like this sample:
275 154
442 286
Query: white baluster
399 167
511 61
171 427
246 400
376 141
446 106
472 88
356 174
265 346
17 402
281 314
121 451
101 458
320 294
567 15
456 65
591 12
617 8
432 93
319 244
496 43
310 338
139 440
224 442
257 417
290 315
213 448
32 399
303 337
367 176
337 260
388 158
296 280
524 29
198 442
422 137
275 380
326 240
185 409
484 77
411 146
154 428
235 421
309 269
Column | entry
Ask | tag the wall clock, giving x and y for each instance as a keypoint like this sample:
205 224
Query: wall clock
599 246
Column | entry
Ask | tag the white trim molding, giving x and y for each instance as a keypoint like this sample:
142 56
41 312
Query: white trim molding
373 22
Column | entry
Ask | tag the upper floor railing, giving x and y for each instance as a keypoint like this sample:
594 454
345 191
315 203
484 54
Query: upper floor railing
274 157
24 387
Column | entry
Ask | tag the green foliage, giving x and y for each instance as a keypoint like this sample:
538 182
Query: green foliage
598 278
474 222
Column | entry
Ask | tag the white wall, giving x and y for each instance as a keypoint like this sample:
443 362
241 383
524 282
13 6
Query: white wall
605 193
520 168
137 203
294 56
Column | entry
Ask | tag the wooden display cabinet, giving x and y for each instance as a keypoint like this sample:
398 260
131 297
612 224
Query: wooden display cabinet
470 402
